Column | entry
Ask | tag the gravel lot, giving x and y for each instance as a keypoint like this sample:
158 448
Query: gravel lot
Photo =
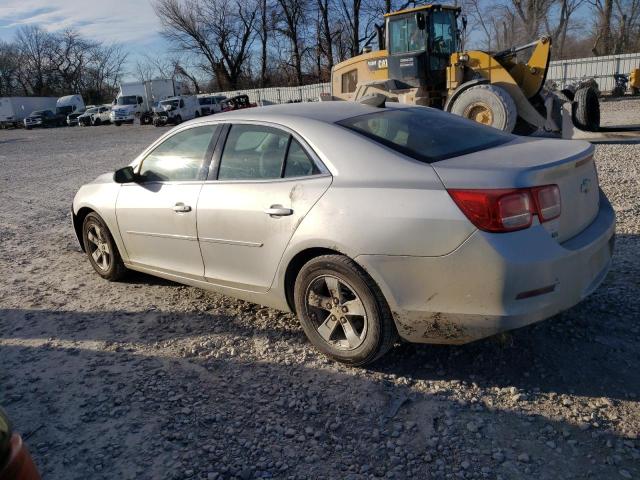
150 379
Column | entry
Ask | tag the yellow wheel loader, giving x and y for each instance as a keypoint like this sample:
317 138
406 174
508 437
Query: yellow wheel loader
420 61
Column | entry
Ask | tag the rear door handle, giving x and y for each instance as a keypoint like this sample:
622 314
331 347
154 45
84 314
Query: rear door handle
278 211
181 208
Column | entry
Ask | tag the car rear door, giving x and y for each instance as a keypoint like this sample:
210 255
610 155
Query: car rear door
263 181
157 214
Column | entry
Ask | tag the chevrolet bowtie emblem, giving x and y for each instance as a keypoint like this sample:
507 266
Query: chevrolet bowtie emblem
585 186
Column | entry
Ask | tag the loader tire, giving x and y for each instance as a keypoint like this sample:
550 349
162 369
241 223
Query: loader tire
586 110
487 104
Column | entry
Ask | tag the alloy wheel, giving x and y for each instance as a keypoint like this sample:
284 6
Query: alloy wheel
337 312
99 247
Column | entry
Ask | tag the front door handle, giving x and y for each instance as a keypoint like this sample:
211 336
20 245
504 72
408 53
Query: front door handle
278 211
181 208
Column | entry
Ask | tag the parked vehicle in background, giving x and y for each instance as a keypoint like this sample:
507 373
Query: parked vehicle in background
176 110
67 105
72 118
42 118
237 103
136 100
367 222
84 120
102 115
634 81
210 104
13 110
15 460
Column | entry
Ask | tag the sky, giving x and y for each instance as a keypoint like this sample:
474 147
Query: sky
132 23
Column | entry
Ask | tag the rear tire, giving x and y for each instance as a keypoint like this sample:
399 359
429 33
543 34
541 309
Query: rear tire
101 249
178 120
489 105
117 124
586 110
342 310
97 122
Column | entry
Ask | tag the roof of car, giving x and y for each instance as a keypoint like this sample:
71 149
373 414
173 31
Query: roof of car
329 112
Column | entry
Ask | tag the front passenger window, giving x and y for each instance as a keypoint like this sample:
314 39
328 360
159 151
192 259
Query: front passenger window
180 157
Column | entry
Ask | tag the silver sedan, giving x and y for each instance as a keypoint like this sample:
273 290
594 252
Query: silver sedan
368 222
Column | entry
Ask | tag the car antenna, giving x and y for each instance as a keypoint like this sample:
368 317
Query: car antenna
375 100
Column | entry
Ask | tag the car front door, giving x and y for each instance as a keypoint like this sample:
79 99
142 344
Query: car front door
157 213
263 182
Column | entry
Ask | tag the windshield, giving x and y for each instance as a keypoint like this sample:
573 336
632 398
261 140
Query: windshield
173 103
426 134
92 110
64 110
128 100
405 36
37 113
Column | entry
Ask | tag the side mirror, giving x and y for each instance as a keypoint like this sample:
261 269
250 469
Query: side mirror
420 20
124 175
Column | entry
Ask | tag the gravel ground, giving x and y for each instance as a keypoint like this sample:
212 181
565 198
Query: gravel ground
150 379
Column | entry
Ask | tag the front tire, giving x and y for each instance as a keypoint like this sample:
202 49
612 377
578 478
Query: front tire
489 105
101 249
97 122
342 310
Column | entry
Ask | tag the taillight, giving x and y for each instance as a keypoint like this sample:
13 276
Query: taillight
508 210
547 200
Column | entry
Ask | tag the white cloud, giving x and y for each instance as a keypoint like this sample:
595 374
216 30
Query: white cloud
130 22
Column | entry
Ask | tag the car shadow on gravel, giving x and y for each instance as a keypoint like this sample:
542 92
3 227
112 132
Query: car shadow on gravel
109 411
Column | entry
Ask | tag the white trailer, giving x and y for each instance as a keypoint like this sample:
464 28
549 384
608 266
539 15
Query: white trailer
137 99
13 110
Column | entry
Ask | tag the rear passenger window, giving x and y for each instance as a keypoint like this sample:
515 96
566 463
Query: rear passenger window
253 152
298 162
256 152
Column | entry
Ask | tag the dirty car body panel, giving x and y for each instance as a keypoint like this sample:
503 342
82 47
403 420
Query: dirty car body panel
371 197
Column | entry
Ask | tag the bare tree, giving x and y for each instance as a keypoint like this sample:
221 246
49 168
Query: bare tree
219 32
294 14
604 12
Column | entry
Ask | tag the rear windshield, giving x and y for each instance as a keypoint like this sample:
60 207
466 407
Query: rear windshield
426 134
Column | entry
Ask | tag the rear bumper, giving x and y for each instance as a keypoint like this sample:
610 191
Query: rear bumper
493 282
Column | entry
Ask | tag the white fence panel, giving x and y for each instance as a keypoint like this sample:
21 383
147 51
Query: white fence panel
601 69
560 71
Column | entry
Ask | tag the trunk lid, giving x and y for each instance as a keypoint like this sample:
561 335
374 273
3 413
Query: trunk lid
528 162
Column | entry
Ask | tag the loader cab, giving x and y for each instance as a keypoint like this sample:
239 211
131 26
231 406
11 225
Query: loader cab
419 42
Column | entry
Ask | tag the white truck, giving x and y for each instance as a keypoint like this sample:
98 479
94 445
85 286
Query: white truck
176 110
210 103
69 104
137 99
13 110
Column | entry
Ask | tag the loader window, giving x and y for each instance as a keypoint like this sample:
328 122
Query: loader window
425 134
405 36
443 38
349 81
